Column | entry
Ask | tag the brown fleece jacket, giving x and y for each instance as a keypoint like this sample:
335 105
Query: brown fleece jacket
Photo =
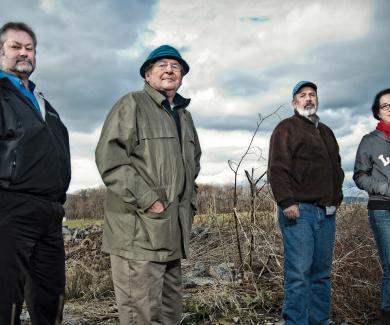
304 163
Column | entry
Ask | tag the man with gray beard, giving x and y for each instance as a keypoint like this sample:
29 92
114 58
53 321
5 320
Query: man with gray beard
304 171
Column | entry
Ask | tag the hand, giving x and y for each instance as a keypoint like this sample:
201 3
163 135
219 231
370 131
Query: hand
292 212
156 207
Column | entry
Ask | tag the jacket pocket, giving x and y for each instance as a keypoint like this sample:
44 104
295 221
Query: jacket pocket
158 160
157 145
10 133
118 231
156 133
158 231
7 160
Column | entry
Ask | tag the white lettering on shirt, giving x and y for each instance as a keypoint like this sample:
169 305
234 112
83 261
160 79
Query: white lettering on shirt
384 161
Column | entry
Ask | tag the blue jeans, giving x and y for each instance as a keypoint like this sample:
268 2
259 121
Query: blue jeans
308 251
380 225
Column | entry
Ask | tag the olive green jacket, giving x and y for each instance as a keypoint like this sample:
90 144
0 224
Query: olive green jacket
141 160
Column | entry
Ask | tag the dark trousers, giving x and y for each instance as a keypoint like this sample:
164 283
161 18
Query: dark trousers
32 259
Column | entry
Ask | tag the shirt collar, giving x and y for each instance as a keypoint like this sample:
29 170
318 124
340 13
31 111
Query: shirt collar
315 121
178 101
17 82
159 96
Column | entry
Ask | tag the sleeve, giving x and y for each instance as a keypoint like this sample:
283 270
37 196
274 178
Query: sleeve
113 156
198 153
362 171
280 162
340 171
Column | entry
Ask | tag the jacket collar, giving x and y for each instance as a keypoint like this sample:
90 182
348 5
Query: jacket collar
159 97
380 134
6 83
316 123
16 81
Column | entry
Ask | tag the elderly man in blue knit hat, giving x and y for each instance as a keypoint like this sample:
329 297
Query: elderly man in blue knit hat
148 156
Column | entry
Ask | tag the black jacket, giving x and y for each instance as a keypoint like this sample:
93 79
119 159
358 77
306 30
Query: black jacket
34 153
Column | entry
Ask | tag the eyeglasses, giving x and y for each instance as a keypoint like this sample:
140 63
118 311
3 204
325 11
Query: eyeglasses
176 67
385 107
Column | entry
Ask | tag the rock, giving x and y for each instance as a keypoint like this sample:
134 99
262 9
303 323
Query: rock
66 233
78 234
194 282
224 271
65 230
200 232
199 269
204 233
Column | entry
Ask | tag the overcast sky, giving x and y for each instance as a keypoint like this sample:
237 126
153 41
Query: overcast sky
245 57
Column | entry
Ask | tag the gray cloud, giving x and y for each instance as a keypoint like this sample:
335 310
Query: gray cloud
238 83
78 68
80 72
348 73
242 123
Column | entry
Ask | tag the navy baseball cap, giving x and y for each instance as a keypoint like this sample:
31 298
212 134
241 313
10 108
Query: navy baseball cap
302 84
164 51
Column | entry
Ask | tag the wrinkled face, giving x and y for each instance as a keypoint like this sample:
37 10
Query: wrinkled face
165 75
17 57
384 108
306 101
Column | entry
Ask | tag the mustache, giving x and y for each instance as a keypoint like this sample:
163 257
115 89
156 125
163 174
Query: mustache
24 60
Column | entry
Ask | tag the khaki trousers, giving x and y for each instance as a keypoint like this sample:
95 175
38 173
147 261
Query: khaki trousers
147 293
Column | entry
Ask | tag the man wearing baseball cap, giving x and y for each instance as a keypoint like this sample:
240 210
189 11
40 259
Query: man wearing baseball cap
148 156
304 171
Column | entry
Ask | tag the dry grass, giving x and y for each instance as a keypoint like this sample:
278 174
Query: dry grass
88 268
256 294
356 269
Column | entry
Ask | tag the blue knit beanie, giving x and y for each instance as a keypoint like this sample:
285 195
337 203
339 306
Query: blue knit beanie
164 51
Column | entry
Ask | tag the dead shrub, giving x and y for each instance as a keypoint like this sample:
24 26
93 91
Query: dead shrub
256 297
88 273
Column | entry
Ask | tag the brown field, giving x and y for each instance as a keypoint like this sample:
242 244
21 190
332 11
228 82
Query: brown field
253 292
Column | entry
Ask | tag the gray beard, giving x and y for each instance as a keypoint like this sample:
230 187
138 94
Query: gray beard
18 70
24 70
307 112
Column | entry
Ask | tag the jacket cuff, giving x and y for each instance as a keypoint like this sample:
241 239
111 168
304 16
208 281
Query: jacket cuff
284 204
146 200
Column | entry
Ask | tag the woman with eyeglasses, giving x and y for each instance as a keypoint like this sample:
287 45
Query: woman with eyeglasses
372 174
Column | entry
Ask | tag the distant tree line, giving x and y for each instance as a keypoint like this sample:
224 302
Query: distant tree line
212 199
86 204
